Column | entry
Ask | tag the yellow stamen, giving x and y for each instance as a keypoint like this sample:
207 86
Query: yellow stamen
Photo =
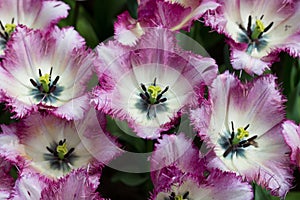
9 28
179 197
242 133
44 80
259 28
154 91
260 25
62 150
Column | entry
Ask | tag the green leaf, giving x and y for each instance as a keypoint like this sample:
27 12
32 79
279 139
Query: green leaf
82 21
86 30
68 21
132 7
5 115
287 72
130 179
293 196
262 194
203 34
92 82
293 104
105 13
125 134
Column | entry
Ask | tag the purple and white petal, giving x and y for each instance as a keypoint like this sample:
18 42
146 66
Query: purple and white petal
46 71
30 186
219 185
75 185
244 130
243 61
51 11
36 14
41 144
10 147
260 29
127 29
163 13
172 14
291 134
174 156
7 181
176 150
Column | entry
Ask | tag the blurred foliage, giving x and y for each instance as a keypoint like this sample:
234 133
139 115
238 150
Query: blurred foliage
121 185
262 194
127 137
94 19
293 196
288 72
5 115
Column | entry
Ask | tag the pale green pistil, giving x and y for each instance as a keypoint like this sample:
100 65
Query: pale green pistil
45 80
237 141
153 94
60 156
241 135
62 150
154 91
44 83
179 197
254 34
258 29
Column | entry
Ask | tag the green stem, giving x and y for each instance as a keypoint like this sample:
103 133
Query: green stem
76 14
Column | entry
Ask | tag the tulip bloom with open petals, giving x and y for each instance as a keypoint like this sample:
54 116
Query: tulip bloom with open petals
218 185
53 147
46 71
258 30
242 125
36 14
183 174
149 85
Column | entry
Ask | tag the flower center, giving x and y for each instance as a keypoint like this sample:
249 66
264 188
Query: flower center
173 196
45 81
59 156
253 35
62 150
153 94
241 134
237 141
45 89
154 91
255 31
44 84
258 29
